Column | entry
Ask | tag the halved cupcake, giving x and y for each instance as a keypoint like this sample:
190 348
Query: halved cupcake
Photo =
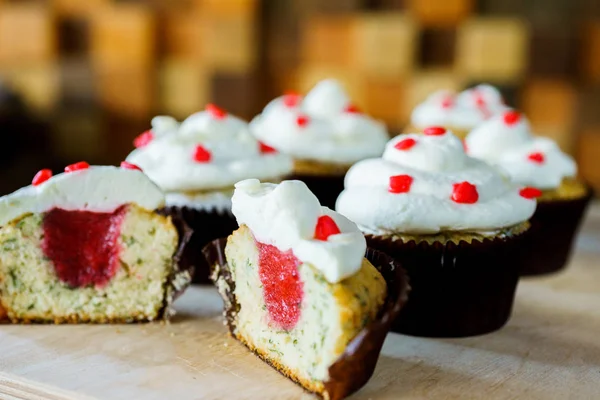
298 291
324 133
457 112
455 223
506 141
197 162
88 246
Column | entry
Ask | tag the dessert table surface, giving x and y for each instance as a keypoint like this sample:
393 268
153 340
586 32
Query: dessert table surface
550 349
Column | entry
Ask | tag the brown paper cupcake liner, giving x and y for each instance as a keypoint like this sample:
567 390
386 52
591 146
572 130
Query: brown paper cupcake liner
183 268
326 188
458 290
554 227
206 226
356 365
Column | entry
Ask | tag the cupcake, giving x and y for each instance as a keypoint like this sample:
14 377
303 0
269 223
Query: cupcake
454 223
298 290
323 132
458 113
197 162
506 141
87 245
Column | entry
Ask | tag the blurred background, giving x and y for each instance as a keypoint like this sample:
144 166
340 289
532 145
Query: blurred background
79 79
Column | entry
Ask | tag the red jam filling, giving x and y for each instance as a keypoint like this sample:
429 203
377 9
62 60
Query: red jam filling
83 245
282 287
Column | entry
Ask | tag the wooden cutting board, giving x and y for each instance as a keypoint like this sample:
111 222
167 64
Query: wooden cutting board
550 349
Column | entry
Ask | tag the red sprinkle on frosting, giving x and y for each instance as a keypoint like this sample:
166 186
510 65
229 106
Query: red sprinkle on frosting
77 166
83 245
291 99
41 177
434 131
405 144
465 193
530 193
143 140
326 227
302 120
282 287
266 149
128 165
465 147
447 102
511 117
352 109
537 157
215 111
202 155
400 183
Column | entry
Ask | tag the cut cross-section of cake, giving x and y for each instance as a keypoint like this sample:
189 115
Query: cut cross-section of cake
299 291
87 246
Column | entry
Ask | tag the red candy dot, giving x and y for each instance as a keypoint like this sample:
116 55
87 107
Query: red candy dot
405 144
128 165
352 109
143 140
302 120
400 183
530 193
215 111
447 102
536 157
266 149
326 227
479 101
465 193
465 147
291 99
41 177
202 155
511 117
434 131
77 166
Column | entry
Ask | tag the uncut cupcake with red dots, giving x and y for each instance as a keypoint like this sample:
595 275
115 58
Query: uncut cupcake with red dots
455 224
507 142
324 132
88 245
301 289
197 162
458 112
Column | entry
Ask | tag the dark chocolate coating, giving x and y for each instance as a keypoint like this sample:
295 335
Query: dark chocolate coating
206 226
183 268
554 228
326 188
460 289
356 365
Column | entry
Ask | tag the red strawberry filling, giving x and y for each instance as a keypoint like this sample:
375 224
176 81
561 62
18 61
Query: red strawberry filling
83 245
282 287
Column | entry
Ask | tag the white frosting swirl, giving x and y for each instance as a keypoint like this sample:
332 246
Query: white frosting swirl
97 189
463 111
235 154
528 160
285 216
330 134
435 164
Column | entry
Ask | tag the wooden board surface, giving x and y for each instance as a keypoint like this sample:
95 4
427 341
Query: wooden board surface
550 349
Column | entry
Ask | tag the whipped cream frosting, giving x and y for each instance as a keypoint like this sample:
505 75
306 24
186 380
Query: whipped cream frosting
322 126
227 154
430 172
96 189
285 215
507 142
464 110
